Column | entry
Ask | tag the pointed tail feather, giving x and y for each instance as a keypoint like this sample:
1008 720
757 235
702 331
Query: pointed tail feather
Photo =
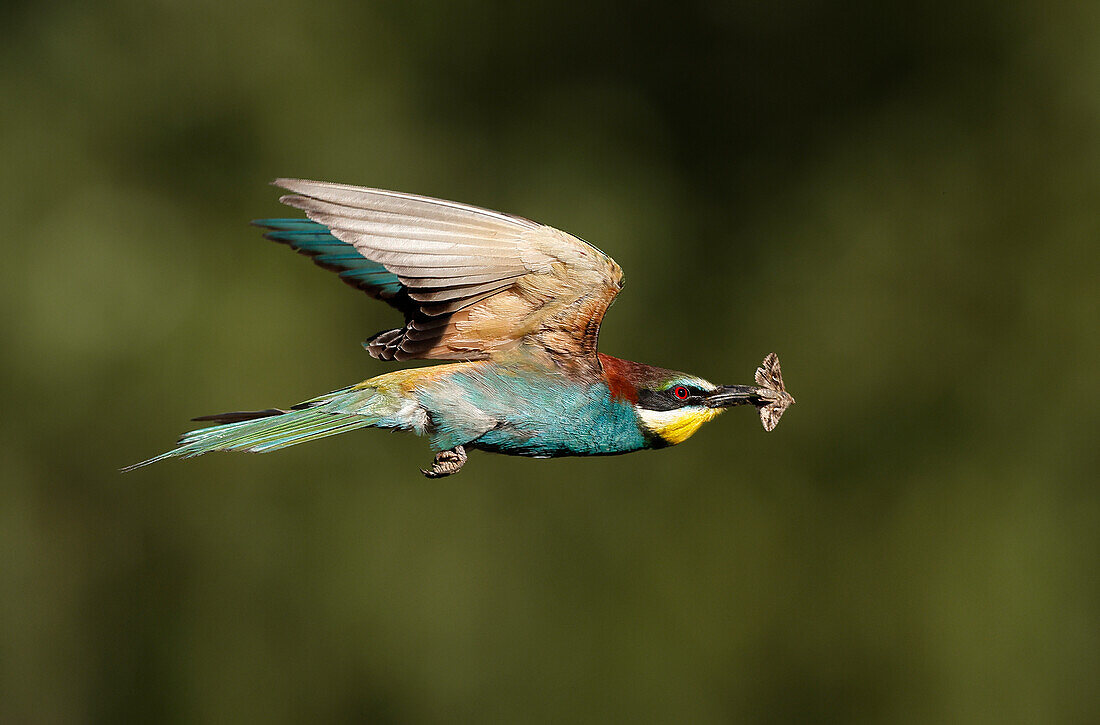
274 430
238 415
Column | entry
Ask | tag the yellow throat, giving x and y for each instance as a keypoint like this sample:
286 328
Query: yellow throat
676 426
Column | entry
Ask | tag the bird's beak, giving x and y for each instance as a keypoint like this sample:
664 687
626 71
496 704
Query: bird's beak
727 396
771 398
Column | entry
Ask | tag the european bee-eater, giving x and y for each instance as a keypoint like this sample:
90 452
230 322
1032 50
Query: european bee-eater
518 303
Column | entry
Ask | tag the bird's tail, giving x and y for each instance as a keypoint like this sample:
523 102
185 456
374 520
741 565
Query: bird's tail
269 430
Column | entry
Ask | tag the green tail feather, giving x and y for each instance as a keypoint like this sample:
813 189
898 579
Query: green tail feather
264 434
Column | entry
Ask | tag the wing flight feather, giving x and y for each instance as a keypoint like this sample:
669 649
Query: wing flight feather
475 281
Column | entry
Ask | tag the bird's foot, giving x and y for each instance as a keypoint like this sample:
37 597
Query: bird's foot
446 463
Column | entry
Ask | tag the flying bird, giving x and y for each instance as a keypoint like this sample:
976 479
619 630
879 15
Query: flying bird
517 303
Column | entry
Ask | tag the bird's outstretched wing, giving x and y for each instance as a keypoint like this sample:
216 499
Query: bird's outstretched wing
471 282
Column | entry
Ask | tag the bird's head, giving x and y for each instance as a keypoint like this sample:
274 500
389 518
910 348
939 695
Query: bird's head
671 410
671 406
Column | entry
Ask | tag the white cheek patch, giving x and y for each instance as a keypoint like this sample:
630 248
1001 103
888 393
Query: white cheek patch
657 420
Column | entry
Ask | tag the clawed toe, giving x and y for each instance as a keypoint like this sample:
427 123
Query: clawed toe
446 463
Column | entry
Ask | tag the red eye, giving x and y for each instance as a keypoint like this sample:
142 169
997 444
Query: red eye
681 392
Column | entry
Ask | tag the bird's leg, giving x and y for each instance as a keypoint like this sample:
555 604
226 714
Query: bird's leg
446 463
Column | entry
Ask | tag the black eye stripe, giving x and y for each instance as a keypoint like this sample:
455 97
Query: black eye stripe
668 399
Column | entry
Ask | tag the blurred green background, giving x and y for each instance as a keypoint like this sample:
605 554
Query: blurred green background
901 201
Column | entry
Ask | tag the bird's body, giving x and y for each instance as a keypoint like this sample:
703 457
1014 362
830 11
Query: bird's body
520 304
514 406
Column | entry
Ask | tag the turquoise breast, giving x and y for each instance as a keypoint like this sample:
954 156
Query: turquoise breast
509 410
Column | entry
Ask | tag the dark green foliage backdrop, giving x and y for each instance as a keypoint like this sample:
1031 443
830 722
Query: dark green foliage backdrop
900 201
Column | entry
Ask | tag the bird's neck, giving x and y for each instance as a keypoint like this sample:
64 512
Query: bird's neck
620 382
625 377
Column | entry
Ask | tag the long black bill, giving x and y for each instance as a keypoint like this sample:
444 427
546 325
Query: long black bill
727 396
769 395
